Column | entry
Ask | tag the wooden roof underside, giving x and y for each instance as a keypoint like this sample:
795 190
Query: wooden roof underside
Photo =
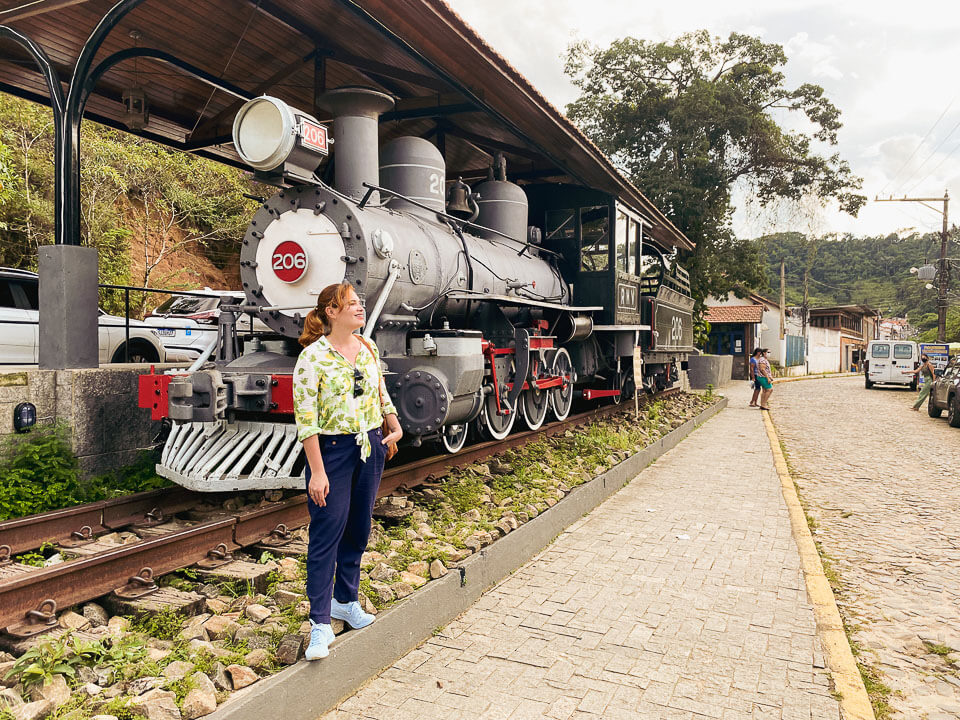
448 83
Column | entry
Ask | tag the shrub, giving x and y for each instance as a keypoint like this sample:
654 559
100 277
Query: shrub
38 472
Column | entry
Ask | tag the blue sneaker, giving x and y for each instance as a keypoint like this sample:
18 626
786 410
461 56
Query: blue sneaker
351 613
321 636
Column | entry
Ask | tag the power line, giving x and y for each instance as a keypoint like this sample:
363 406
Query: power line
919 145
932 153
937 167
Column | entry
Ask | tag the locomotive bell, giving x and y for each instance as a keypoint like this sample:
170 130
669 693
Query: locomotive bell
458 199
274 138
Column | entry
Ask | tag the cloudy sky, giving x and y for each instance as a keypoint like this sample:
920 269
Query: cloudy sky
893 69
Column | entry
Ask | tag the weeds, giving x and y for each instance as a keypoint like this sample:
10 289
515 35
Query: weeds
165 625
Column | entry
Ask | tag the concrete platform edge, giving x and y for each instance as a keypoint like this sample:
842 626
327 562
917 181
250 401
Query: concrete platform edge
307 690
853 698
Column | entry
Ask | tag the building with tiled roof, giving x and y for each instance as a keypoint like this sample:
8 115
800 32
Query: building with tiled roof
740 324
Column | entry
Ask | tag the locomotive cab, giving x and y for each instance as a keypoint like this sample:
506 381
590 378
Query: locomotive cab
610 262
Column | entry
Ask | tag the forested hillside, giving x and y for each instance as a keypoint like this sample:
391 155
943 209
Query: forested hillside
871 270
159 217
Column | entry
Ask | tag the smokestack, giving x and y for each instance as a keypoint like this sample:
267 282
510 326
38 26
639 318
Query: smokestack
356 112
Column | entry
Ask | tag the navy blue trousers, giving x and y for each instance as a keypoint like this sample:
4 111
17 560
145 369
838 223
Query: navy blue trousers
340 529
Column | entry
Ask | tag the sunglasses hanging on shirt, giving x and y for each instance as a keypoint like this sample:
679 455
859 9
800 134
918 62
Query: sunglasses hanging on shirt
357 380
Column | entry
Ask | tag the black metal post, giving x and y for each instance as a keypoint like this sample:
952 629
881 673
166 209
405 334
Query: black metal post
56 104
68 149
126 325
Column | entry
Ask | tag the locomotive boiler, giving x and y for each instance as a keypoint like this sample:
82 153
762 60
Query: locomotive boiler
488 304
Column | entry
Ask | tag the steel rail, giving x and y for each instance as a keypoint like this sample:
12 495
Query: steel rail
31 532
72 582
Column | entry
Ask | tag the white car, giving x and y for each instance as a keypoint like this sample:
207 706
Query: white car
20 329
187 324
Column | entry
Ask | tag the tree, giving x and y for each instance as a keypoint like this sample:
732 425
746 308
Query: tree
688 120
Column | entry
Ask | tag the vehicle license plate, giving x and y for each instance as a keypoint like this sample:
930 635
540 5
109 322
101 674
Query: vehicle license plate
166 332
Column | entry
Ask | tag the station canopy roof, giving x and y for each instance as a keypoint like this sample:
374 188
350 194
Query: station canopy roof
448 83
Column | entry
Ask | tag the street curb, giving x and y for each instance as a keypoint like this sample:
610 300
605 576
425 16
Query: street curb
307 690
854 701
777 381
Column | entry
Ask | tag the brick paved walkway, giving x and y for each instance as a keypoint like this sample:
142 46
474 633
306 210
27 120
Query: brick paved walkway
681 597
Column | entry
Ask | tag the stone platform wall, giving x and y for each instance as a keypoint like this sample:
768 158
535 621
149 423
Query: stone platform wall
98 405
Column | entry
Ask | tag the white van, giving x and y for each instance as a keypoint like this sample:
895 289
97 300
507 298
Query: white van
888 360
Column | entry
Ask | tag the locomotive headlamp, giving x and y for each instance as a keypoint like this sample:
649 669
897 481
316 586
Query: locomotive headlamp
274 138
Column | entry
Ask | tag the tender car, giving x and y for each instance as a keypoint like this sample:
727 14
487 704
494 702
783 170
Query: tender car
186 324
945 394
887 362
19 328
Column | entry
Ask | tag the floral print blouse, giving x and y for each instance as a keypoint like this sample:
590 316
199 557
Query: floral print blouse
323 398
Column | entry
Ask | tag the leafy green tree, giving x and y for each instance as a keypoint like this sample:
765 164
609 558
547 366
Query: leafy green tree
688 120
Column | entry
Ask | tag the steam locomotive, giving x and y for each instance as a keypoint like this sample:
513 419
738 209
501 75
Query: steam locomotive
488 304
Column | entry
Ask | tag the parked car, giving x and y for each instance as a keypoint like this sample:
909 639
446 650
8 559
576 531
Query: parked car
945 394
20 329
186 324
888 360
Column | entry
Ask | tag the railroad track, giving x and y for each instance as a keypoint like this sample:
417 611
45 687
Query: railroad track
166 545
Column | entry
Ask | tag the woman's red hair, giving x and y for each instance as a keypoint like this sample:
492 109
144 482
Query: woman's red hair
316 324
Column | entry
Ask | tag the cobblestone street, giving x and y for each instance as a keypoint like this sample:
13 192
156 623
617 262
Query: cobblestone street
882 482
679 598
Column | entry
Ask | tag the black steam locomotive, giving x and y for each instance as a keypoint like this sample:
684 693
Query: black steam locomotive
487 303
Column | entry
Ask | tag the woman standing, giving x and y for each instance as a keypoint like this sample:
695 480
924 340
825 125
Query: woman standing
929 372
754 382
765 378
340 401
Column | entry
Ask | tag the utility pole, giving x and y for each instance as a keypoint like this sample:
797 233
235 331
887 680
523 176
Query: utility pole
943 271
805 311
783 317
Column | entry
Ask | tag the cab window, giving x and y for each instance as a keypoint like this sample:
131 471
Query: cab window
620 234
633 250
561 224
595 233
903 352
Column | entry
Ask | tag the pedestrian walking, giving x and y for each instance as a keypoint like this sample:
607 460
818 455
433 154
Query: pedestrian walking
754 383
929 372
765 378
340 402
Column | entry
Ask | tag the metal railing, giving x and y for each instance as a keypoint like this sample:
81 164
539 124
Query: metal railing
127 289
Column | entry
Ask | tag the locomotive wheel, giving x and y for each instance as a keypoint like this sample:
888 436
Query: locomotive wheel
561 398
454 437
626 386
497 427
535 405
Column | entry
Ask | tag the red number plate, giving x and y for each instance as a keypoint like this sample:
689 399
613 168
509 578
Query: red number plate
313 136
289 261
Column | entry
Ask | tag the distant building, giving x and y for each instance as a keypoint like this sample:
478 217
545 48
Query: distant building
895 329
738 325
857 326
